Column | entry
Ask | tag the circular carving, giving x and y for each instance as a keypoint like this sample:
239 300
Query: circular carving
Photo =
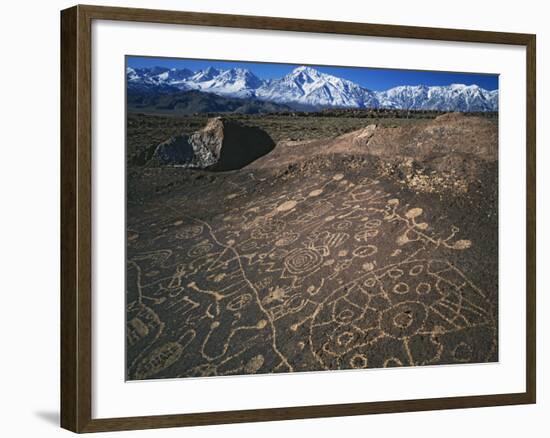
423 288
200 249
295 303
189 232
345 316
302 261
365 235
344 338
372 224
358 361
415 270
463 352
401 288
365 251
239 302
395 273
287 238
268 229
404 319
370 282
341 225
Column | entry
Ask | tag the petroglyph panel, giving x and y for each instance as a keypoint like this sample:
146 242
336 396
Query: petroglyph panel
286 274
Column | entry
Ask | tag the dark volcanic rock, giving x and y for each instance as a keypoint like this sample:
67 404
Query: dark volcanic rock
221 145
176 150
228 145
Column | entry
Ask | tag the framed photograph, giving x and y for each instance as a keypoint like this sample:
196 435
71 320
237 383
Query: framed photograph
268 218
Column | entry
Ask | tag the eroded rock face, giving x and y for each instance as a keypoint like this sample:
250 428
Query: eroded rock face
446 134
448 152
228 145
221 145
176 151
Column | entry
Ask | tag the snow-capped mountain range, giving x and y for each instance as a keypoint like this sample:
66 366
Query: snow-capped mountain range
306 86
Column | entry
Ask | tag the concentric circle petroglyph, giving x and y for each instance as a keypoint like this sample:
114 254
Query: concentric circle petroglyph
302 261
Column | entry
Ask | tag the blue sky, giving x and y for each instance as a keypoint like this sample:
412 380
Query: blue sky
371 78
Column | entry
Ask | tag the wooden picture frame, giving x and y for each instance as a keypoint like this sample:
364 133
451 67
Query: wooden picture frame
76 217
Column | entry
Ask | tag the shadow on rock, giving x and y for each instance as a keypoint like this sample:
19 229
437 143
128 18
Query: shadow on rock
220 146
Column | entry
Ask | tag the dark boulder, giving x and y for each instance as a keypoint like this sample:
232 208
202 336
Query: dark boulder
175 151
228 145
221 145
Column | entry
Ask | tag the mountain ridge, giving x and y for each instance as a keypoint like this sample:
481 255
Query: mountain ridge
308 86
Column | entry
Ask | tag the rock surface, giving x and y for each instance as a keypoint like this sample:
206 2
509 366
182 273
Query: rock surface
176 150
322 266
311 259
447 152
221 145
228 145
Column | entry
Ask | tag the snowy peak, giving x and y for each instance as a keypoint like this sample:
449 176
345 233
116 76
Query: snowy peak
174 74
239 77
454 97
304 69
157 75
235 82
305 74
205 75
309 87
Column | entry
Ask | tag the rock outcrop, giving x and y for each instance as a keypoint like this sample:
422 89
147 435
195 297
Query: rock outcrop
448 151
221 145
176 151
228 145
448 133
